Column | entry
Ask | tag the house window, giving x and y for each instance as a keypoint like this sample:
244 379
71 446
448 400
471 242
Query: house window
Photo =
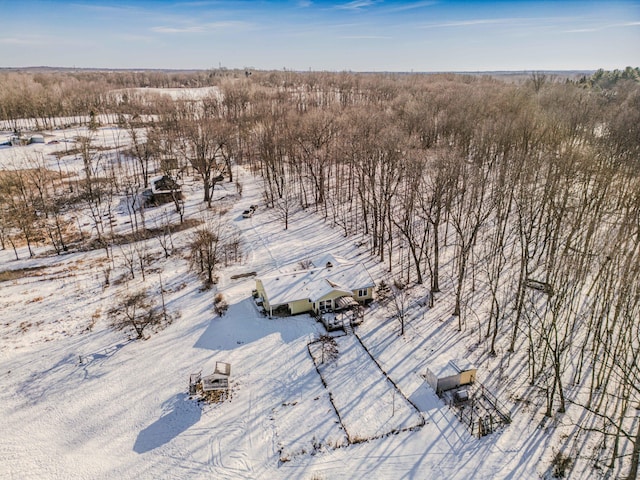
362 292
324 305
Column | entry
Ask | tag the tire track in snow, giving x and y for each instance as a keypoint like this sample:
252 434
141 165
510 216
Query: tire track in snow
275 263
225 456
233 446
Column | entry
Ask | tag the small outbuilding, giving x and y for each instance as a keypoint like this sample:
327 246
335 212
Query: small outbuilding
218 380
164 189
215 381
452 374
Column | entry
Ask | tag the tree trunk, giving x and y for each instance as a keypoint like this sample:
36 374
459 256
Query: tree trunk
635 454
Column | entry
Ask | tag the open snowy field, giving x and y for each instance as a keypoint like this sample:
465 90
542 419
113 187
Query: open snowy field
79 400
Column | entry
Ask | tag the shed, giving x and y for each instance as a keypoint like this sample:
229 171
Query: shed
215 381
454 373
223 368
219 379
163 189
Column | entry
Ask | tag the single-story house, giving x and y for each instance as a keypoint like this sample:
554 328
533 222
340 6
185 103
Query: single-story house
327 284
453 374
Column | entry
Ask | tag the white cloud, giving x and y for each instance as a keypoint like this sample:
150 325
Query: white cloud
126 10
21 41
203 27
599 28
163 29
366 37
583 30
471 23
229 24
357 5
204 3
135 38
412 6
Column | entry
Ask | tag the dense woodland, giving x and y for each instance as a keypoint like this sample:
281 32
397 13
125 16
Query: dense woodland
527 190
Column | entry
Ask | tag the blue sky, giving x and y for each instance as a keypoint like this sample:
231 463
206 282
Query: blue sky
357 35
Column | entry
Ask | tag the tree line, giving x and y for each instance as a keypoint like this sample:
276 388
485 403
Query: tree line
525 191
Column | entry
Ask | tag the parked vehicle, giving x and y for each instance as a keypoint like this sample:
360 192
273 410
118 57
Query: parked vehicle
249 213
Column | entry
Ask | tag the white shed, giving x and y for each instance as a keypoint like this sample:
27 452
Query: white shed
216 381
452 374
219 380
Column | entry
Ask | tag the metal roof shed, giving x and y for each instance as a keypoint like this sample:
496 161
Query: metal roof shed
454 373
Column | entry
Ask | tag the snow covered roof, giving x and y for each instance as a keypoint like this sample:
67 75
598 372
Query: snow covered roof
451 368
463 365
329 258
163 184
315 283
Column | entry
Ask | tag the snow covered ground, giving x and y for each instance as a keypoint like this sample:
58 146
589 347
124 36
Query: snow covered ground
81 401
375 408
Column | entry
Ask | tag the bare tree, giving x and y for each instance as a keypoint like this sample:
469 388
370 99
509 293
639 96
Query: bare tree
129 257
328 348
207 247
400 298
202 139
144 145
165 237
135 311
285 204
468 212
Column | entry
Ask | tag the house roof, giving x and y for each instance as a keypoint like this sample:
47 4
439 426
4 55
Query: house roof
329 258
315 283
163 184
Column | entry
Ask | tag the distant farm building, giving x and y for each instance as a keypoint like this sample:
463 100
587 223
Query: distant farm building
164 189
325 285
18 139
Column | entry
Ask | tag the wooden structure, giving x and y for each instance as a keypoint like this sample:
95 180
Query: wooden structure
164 189
543 287
478 409
223 368
217 381
194 380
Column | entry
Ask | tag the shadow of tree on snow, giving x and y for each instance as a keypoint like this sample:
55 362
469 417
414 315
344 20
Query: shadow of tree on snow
181 413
